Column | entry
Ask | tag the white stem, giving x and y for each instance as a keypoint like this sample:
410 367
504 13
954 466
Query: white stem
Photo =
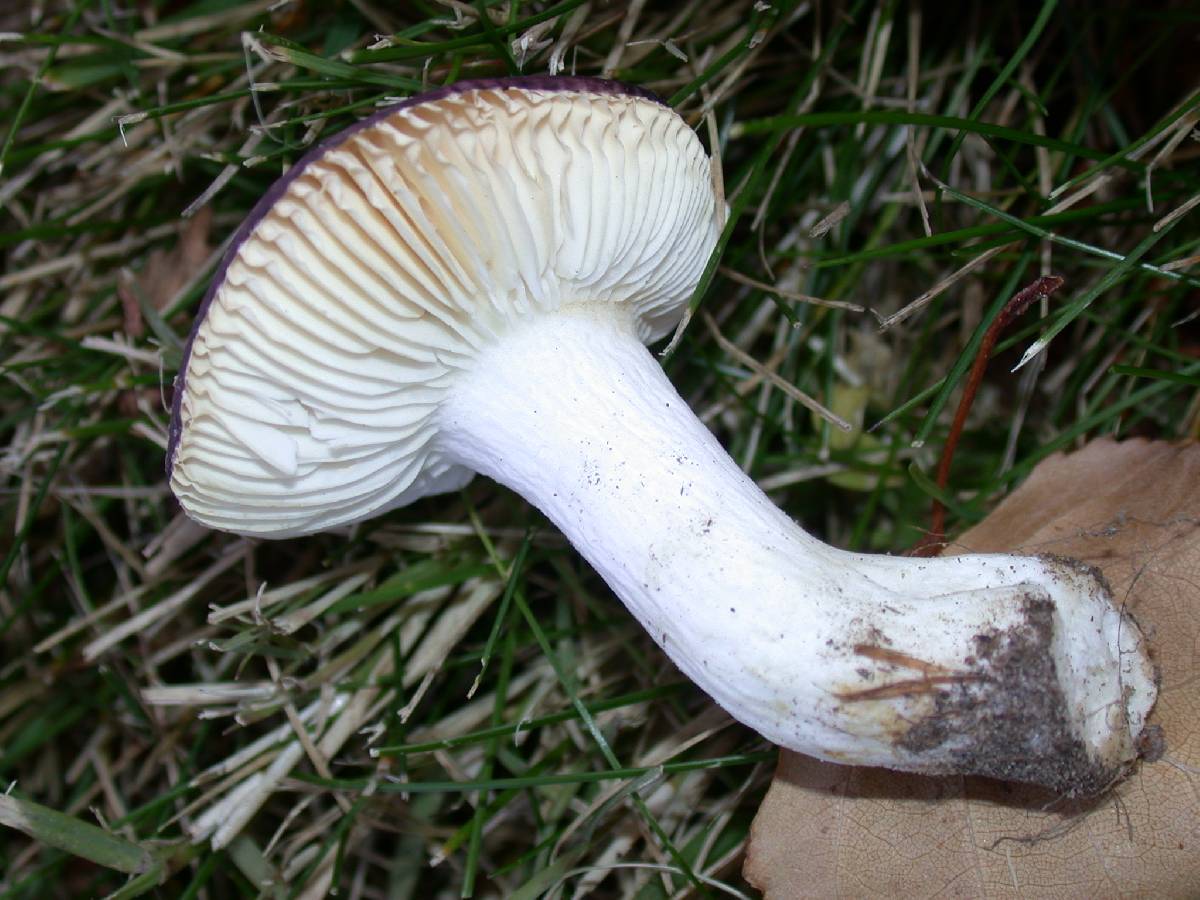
1015 667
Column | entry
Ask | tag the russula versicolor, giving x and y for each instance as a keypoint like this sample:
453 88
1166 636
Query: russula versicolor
464 283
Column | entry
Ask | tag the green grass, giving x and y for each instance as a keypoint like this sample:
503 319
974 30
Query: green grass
484 717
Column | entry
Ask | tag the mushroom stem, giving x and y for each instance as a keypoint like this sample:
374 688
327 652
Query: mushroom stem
1014 667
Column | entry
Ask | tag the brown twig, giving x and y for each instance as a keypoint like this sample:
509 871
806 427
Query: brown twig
907 688
896 658
931 543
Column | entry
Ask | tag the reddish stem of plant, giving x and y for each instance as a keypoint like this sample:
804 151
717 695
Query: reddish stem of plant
931 543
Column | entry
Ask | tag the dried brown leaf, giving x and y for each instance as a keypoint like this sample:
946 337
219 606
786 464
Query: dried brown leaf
167 271
1133 510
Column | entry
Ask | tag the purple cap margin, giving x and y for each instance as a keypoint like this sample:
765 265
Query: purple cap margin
562 83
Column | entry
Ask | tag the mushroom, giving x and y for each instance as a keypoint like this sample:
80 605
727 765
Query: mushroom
466 282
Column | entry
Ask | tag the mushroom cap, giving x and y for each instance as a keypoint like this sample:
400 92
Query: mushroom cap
374 271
